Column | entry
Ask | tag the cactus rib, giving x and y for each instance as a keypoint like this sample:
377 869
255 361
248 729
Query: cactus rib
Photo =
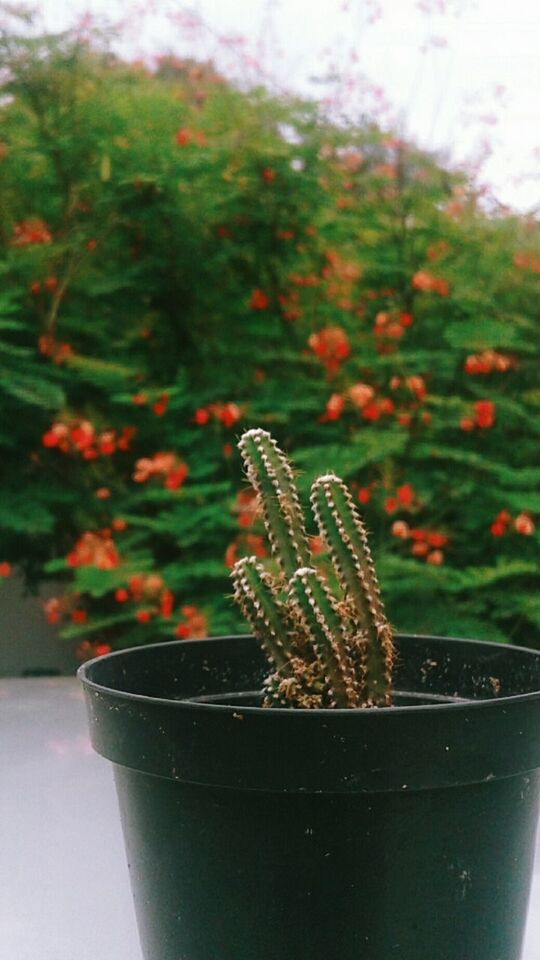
313 603
253 591
270 474
344 533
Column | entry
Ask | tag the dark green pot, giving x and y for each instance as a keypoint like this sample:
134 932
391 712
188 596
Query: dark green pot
405 833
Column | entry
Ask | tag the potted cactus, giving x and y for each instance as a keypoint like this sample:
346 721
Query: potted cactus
322 788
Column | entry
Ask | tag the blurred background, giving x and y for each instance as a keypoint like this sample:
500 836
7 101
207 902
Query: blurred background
243 213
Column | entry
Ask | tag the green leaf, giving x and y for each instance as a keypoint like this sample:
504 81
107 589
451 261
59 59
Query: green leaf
483 334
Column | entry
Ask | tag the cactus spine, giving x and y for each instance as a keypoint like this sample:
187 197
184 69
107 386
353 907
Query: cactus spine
326 650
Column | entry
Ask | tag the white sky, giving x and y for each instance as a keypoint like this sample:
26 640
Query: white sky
456 73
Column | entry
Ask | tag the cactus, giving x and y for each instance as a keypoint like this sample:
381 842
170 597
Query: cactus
327 648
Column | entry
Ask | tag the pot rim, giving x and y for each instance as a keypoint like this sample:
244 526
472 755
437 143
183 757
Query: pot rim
341 712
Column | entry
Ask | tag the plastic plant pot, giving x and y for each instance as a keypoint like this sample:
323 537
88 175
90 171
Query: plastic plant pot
402 833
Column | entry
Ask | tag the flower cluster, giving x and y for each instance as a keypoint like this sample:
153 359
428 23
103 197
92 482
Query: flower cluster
186 136
504 522
150 590
227 414
166 465
487 362
391 325
363 398
245 544
95 549
31 232
424 543
483 418
194 625
405 498
527 261
332 346
48 346
340 275
64 608
80 436
425 282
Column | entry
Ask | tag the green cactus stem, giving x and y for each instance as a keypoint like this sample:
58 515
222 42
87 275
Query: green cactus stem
254 593
326 650
316 610
345 535
270 474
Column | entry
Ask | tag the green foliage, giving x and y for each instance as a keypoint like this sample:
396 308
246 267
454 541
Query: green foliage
176 266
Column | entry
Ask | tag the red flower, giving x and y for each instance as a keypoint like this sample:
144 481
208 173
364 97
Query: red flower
364 495
498 529
160 406
269 174
51 284
121 595
436 557
102 648
391 504
259 300
405 494
228 413
5 569
176 478
485 413
79 616
437 539
167 603
202 416
406 319
371 411
143 616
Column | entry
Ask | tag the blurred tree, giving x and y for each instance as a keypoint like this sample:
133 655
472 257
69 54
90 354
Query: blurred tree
180 260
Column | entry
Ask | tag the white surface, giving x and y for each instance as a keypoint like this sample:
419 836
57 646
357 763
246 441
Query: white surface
64 886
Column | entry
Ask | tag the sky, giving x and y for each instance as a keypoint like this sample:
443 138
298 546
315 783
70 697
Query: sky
458 76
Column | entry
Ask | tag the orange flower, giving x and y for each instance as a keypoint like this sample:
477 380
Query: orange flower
524 524
361 394
184 136
95 549
332 346
31 232
334 408
424 281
